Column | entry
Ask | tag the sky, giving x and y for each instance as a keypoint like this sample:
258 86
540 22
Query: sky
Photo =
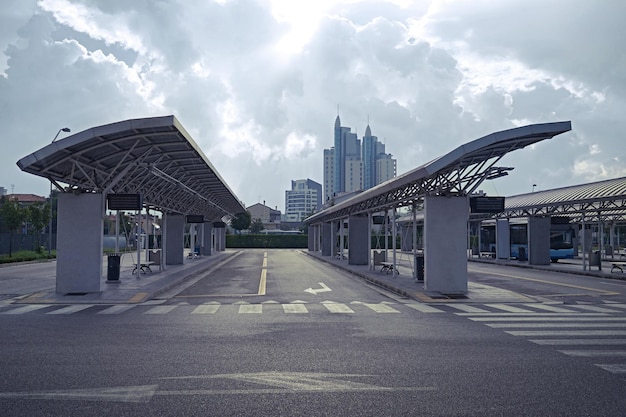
258 83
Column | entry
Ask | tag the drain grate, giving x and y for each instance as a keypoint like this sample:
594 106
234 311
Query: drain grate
76 293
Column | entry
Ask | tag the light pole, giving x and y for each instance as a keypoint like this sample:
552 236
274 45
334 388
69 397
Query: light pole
66 130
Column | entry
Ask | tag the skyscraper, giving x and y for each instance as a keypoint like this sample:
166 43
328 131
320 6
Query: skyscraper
350 166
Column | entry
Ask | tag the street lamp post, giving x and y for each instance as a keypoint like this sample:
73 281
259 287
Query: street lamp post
66 130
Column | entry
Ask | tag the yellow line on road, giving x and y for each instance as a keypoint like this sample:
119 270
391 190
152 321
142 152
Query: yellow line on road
578 287
263 276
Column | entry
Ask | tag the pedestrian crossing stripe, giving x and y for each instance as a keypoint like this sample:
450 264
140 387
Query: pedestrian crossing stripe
492 313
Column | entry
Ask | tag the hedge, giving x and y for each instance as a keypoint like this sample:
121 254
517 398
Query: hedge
267 241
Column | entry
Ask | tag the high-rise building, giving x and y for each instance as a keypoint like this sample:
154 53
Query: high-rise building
350 166
304 198
385 168
329 173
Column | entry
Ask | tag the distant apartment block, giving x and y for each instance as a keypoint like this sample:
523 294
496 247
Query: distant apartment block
304 198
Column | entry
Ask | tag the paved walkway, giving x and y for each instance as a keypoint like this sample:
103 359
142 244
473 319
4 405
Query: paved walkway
34 283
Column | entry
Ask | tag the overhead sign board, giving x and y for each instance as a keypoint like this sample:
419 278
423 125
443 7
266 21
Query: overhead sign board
124 201
487 204
195 218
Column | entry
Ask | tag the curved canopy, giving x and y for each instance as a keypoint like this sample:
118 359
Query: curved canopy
154 157
460 172
605 200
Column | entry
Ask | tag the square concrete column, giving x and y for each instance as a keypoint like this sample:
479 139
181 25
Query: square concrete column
358 240
445 244
327 239
503 239
311 238
79 243
539 240
207 239
174 225
219 229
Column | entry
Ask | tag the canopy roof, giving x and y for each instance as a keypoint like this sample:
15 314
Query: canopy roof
460 172
154 156
605 200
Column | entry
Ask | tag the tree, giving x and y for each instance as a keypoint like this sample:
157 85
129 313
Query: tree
256 226
12 216
241 221
39 217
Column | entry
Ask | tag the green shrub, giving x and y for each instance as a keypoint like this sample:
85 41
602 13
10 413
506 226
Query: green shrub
267 241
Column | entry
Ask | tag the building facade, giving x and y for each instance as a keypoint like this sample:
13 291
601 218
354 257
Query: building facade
302 200
269 217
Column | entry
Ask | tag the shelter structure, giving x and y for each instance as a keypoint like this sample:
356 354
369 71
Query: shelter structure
152 158
440 188
597 205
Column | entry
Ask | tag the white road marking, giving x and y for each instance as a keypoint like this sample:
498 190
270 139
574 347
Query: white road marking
71 309
206 309
160 310
116 309
337 307
295 308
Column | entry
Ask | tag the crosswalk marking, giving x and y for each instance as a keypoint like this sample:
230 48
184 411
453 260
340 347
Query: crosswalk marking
578 342
566 333
424 308
617 368
593 308
295 308
71 309
496 315
160 310
206 309
549 307
250 308
548 318
506 307
26 309
379 308
337 307
468 309
116 309
594 353
553 324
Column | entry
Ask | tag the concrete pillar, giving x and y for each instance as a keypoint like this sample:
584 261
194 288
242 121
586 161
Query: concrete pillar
358 240
207 239
311 238
219 229
503 239
445 258
538 240
79 243
327 239
174 226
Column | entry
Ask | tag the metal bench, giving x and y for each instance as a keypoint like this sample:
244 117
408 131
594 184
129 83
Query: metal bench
618 265
143 267
388 267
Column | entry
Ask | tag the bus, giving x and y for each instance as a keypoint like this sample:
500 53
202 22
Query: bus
562 239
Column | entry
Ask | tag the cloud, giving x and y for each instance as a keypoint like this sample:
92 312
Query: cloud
258 83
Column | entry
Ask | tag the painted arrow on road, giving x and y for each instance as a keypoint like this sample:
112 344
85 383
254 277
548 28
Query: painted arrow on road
318 290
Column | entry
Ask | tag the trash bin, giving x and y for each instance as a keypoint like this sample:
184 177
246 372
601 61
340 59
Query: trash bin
419 267
113 267
594 259
521 256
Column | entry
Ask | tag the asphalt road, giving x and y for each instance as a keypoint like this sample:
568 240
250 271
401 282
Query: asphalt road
275 333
